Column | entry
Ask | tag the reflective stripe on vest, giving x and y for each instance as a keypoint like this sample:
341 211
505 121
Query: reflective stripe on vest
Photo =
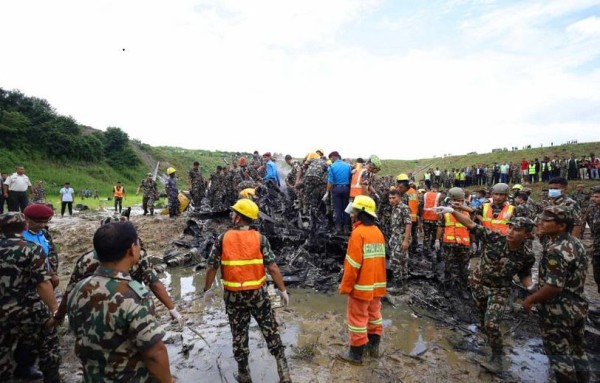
118 192
413 204
355 183
455 232
532 169
431 200
242 262
500 223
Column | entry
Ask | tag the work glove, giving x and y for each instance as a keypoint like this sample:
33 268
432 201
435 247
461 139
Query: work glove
285 298
474 247
177 316
376 196
443 209
209 297
325 196
436 245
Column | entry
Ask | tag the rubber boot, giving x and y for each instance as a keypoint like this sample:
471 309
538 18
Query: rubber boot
283 370
353 355
372 348
243 373
25 359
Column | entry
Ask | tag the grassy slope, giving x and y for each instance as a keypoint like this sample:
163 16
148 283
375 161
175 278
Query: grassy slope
103 177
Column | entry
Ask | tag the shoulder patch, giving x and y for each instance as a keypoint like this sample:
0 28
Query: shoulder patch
138 288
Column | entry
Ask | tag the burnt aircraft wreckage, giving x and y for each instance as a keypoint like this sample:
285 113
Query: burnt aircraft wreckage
310 254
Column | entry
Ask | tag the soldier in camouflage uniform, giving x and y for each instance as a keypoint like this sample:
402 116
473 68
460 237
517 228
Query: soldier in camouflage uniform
557 197
216 189
38 193
172 193
27 302
290 179
583 199
456 248
149 192
197 186
521 207
243 254
562 305
503 257
113 317
142 272
399 241
594 219
314 185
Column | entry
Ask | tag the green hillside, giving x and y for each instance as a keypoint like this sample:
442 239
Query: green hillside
55 149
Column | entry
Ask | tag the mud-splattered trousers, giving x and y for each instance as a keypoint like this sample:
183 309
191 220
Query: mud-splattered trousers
240 306
456 261
429 231
490 303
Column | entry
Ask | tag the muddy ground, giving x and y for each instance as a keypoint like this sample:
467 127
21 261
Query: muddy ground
427 338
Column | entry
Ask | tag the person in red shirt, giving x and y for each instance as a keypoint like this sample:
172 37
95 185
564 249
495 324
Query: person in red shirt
525 170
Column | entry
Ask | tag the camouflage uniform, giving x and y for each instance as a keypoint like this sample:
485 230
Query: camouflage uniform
562 318
456 261
522 210
197 186
291 180
398 258
173 196
38 194
314 185
216 190
594 215
569 202
242 305
22 312
150 193
110 332
582 198
491 280
87 264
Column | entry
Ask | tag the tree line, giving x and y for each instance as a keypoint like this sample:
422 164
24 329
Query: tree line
31 125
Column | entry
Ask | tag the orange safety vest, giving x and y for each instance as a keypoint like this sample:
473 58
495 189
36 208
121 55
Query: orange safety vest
454 231
413 204
118 192
242 261
499 224
431 200
356 183
364 266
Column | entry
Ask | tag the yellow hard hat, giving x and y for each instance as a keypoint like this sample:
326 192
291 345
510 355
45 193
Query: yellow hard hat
322 151
248 193
312 156
329 162
171 170
246 208
402 177
518 187
366 204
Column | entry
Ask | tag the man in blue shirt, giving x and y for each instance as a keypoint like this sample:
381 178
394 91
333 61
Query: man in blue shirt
271 176
339 175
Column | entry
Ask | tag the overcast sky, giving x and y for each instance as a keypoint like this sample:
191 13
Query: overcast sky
402 79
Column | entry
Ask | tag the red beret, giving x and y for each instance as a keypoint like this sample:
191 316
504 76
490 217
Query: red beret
38 212
267 154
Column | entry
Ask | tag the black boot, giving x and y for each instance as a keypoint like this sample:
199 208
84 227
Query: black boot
372 348
28 373
353 355
243 373
52 376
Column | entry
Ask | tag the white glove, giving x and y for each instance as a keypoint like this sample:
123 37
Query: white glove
533 288
209 297
177 316
325 196
443 209
436 245
474 247
285 298
377 197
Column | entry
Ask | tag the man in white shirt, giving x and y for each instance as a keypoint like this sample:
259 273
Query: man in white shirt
66 199
17 188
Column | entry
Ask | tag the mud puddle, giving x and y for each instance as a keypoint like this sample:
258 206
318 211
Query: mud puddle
313 330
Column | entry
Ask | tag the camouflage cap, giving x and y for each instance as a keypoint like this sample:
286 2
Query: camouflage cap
11 217
596 189
563 213
522 223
